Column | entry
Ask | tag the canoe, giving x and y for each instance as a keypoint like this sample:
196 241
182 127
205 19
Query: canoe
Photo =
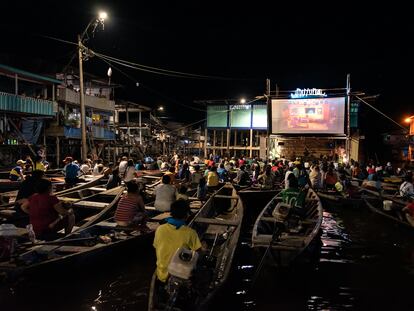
89 205
86 181
331 198
88 212
287 238
376 205
218 225
92 242
10 196
388 188
254 200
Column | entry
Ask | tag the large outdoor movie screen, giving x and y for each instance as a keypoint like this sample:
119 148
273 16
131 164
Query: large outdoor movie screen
308 116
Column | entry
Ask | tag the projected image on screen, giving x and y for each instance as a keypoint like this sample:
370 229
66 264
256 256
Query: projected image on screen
313 115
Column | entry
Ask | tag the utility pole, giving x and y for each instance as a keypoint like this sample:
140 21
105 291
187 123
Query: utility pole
348 117
84 147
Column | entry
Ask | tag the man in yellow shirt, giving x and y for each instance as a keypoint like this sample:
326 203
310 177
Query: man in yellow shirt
212 178
171 236
171 173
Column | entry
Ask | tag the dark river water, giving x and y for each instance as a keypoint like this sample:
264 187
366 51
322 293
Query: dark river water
364 263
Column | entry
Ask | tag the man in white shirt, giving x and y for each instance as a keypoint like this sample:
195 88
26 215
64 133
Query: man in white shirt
122 166
85 168
288 172
164 195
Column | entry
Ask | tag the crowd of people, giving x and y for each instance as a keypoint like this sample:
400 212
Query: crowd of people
181 174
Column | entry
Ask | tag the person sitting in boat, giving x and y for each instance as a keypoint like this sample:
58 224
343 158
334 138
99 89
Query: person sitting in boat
196 176
315 177
242 178
212 179
293 196
16 173
122 166
340 185
46 213
330 178
164 194
184 173
267 179
171 173
173 235
85 169
130 173
27 189
182 193
71 171
131 208
114 180
287 174
38 164
407 188
222 173
409 211
98 168
202 189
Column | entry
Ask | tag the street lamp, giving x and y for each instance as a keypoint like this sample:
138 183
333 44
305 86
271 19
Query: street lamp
160 108
95 22
243 101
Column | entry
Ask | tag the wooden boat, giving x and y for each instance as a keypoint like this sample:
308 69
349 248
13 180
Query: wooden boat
389 188
395 214
92 241
255 199
218 225
332 198
90 205
86 181
287 238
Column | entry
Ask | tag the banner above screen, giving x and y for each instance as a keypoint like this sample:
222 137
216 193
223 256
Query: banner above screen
308 116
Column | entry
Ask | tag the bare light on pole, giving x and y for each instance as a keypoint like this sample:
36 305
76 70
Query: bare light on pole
160 108
243 101
83 53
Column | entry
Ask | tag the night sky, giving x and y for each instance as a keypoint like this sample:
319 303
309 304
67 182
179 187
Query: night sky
295 46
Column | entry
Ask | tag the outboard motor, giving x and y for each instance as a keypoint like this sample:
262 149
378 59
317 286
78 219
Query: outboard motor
183 263
181 268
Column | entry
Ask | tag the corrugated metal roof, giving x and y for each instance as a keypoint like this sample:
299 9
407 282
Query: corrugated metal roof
30 75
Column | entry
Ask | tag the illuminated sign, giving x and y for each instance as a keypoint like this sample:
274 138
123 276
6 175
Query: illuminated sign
303 93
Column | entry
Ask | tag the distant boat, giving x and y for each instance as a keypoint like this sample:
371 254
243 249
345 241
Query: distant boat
389 209
288 238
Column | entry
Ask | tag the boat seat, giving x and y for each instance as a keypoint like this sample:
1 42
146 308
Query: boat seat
217 221
161 216
66 199
91 204
268 219
221 196
97 189
7 213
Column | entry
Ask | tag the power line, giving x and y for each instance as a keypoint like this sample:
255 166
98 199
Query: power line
150 89
163 71
381 113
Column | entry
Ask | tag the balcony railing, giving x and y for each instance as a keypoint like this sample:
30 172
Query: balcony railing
97 133
71 96
17 103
